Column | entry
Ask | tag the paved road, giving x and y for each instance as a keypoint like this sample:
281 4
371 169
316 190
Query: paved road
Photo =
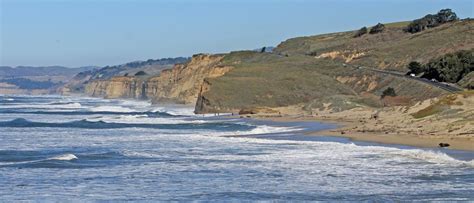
443 86
449 88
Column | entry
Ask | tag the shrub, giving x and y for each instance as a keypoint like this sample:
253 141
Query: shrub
361 31
389 92
377 28
430 21
415 67
140 73
451 67
313 53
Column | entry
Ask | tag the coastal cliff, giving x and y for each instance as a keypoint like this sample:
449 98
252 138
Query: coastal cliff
180 84
183 82
307 71
118 87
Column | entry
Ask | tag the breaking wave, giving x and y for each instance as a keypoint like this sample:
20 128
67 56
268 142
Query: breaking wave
147 113
64 157
23 123
434 157
117 109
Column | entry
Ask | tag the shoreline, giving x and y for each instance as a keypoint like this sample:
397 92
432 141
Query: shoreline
465 144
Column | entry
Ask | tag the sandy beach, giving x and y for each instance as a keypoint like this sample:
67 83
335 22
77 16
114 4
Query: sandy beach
346 130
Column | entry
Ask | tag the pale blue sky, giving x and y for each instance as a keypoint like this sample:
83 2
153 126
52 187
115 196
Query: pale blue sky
108 32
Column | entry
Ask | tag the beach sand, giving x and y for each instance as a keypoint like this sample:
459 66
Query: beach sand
387 136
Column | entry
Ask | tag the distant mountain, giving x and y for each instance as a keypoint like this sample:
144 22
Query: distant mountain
21 71
36 80
142 69
150 66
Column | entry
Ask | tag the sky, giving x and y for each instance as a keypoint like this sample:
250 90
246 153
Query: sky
78 33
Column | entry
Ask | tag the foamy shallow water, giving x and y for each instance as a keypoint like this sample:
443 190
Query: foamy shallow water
122 150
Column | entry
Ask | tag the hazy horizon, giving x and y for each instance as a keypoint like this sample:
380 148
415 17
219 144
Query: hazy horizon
91 33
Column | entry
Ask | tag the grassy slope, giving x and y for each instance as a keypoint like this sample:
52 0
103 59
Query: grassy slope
391 49
293 75
263 79
271 80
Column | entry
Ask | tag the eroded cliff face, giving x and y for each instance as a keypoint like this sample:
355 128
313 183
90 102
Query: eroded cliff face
118 87
183 82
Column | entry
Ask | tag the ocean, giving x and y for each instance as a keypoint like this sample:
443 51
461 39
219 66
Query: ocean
55 148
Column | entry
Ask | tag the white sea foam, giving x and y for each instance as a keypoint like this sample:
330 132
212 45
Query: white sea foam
134 103
258 130
144 119
69 105
434 157
266 129
111 109
175 110
64 157
9 99
74 105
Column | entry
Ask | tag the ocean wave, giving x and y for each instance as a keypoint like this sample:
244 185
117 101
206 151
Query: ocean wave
118 109
39 162
392 153
266 129
426 155
72 105
435 157
54 159
146 119
22 111
65 103
23 123
64 157
177 111
134 103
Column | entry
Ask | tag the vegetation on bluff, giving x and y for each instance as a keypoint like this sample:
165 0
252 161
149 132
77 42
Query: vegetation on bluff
431 20
273 80
377 28
360 32
451 67
389 92
393 48
141 73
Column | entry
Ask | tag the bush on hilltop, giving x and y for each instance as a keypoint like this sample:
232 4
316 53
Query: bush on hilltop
430 21
140 73
361 31
377 28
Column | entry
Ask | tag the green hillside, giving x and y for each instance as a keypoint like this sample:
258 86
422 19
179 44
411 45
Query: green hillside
339 70
272 80
391 49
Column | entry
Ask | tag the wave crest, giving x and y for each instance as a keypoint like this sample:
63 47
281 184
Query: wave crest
64 157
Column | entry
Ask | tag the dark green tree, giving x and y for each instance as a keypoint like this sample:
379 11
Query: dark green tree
140 73
389 92
451 67
377 28
415 67
361 31
430 21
